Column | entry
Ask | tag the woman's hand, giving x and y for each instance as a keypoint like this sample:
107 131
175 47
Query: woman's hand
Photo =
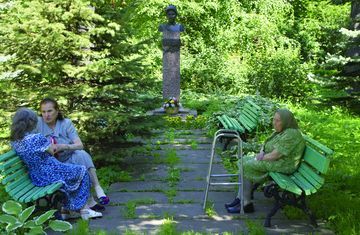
260 155
60 147
52 149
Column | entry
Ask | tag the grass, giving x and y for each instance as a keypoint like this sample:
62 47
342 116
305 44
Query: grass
170 135
194 145
209 209
254 228
129 212
171 157
171 193
173 177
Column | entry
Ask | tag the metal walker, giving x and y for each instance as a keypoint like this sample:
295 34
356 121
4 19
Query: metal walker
231 134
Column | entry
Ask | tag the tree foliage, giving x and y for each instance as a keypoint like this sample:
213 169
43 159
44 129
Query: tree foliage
66 50
228 46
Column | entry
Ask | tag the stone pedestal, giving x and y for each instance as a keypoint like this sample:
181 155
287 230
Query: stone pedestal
171 64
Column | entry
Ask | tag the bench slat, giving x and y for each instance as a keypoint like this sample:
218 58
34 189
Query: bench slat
14 175
40 192
20 187
285 182
309 173
250 116
322 147
254 105
245 123
228 123
22 192
30 193
251 110
13 168
6 156
49 189
11 162
316 160
236 125
223 123
306 186
250 122
16 182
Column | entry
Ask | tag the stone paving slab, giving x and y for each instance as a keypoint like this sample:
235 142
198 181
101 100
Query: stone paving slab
185 146
124 197
178 139
139 186
190 156
195 171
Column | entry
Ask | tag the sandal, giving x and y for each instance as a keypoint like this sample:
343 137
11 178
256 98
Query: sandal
104 200
88 213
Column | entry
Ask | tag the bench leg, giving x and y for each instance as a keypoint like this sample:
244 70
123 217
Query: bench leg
255 186
307 211
271 190
277 206
227 142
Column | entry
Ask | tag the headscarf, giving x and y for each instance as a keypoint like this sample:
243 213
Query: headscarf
287 119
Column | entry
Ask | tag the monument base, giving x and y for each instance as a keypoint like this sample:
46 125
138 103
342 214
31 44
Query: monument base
183 112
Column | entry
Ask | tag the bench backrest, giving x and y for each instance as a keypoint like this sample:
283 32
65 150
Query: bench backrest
249 116
13 171
14 175
315 163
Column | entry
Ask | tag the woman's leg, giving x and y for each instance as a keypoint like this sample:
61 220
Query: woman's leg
247 192
95 183
81 157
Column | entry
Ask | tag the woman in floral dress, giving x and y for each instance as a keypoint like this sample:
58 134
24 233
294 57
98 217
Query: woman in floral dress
281 152
37 153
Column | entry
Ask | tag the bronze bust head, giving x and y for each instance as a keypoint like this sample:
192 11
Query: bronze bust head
171 13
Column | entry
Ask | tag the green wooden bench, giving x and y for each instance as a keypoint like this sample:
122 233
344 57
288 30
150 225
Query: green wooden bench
308 179
245 123
14 176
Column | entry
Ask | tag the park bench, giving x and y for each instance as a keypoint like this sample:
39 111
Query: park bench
244 124
14 176
308 179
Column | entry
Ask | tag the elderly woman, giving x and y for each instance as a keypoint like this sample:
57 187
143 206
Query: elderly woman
281 152
68 145
44 169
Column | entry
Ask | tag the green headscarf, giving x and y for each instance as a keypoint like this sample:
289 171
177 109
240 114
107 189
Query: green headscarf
287 119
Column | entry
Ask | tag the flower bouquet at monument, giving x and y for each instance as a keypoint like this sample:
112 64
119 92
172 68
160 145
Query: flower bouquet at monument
171 105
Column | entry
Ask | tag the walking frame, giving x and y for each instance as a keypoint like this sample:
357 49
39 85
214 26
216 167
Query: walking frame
227 134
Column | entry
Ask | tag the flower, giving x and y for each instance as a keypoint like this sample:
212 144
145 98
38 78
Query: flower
172 102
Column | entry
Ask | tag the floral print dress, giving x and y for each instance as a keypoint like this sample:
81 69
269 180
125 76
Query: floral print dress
289 143
44 169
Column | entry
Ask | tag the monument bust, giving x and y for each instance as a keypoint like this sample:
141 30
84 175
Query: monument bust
171 44
171 13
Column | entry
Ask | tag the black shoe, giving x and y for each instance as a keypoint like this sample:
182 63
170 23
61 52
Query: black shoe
249 208
233 203
98 208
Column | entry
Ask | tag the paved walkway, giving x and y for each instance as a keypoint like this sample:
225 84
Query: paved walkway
142 205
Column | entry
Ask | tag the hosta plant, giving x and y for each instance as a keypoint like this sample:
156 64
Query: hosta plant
19 221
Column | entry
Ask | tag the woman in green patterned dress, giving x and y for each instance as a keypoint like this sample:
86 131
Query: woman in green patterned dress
281 152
